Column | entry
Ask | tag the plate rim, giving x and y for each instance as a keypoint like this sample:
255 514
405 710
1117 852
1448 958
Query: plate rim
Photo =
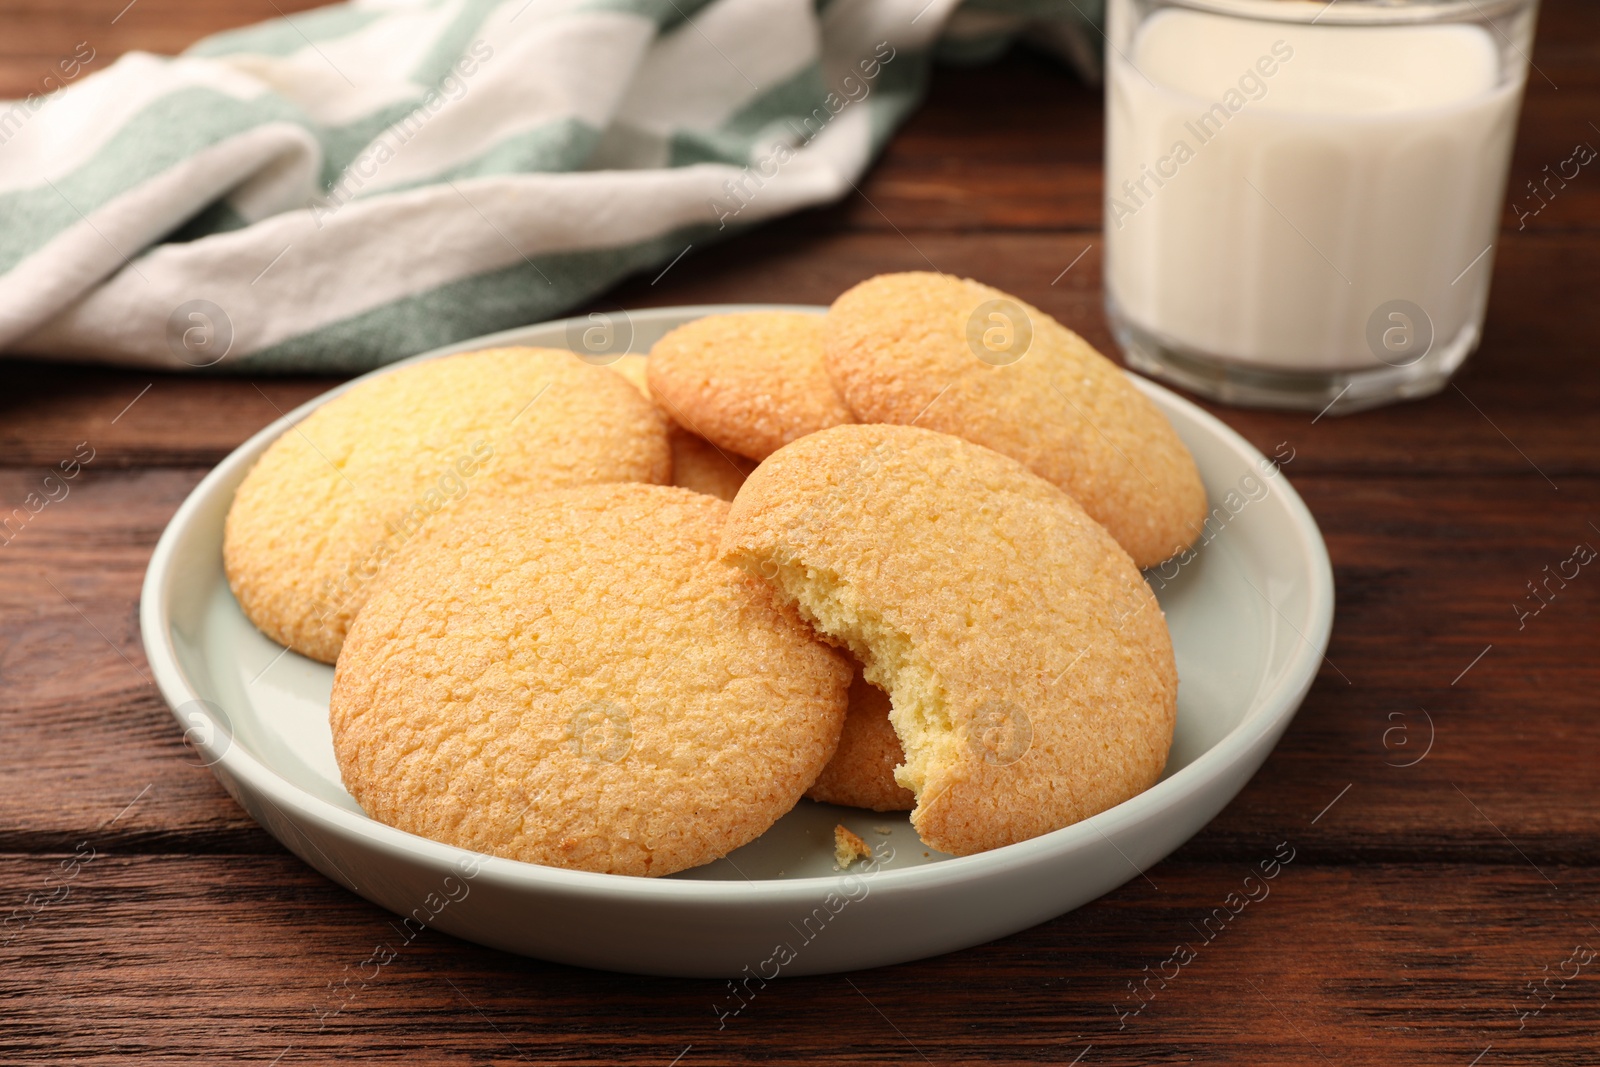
1277 706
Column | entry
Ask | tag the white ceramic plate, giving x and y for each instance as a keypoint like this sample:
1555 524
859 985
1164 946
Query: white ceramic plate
1250 616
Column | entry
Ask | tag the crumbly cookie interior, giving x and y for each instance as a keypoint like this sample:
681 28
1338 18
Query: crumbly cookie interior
919 709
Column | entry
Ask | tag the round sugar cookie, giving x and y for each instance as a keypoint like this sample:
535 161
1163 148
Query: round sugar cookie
334 498
954 355
574 679
861 772
1028 664
696 463
700 465
749 382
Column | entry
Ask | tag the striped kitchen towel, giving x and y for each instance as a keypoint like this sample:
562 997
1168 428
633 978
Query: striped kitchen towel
337 189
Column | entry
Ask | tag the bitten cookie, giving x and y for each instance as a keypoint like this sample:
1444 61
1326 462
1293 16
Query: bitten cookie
696 463
955 355
1028 664
328 504
749 382
574 679
861 772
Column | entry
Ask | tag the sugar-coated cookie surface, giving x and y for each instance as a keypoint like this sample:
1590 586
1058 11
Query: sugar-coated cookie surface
861 772
700 465
575 680
333 499
696 463
1028 663
955 355
749 382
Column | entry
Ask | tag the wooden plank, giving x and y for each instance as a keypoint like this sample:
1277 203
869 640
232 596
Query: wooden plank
240 958
1427 573
39 34
75 688
135 419
1528 402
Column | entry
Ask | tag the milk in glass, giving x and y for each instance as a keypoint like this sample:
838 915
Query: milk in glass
1274 190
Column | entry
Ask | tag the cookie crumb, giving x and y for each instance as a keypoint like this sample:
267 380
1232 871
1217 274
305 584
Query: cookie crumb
847 847
884 830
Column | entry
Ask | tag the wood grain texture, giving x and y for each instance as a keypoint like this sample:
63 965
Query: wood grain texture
247 958
1425 894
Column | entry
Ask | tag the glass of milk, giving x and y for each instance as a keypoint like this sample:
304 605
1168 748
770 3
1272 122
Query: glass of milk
1302 197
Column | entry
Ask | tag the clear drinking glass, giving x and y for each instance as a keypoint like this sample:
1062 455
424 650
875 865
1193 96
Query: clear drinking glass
1302 197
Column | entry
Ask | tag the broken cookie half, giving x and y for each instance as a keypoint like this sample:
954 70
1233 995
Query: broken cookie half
1028 666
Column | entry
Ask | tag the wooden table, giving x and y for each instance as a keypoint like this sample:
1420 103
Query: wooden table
1431 903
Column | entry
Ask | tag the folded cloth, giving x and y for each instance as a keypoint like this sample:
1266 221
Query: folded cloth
337 189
